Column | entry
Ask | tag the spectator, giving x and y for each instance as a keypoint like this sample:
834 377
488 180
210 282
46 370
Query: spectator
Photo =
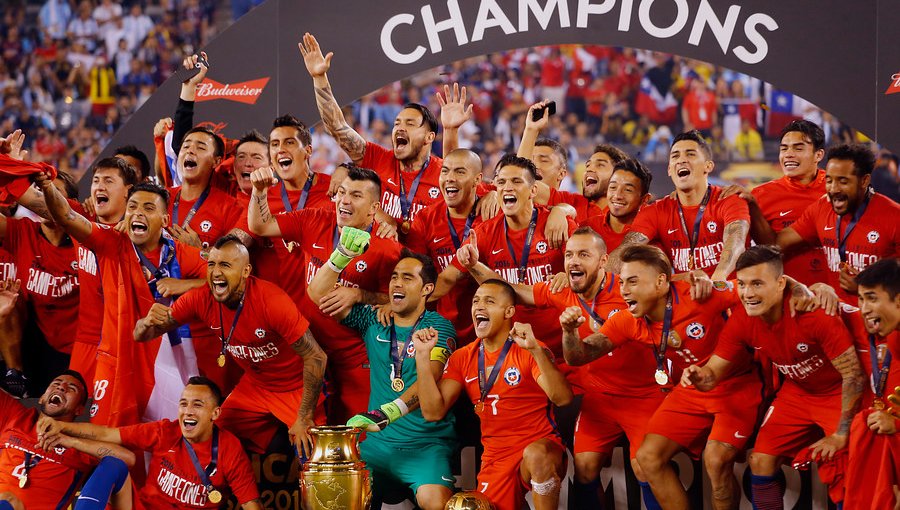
54 19
700 108
106 14
84 29
748 145
136 25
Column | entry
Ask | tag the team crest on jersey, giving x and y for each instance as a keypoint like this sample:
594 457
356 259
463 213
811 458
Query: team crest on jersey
695 330
361 266
60 450
434 192
848 309
512 376
802 347
260 333
74 265
410 350
541 247
205 225
608 317
712 227
722 286
873 236
94 409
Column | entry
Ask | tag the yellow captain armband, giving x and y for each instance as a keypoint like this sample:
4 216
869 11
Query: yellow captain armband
441 354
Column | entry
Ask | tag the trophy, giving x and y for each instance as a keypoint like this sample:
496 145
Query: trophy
469 500
335 478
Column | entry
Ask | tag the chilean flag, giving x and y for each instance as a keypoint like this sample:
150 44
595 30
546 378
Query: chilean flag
783 108
659 106
734 111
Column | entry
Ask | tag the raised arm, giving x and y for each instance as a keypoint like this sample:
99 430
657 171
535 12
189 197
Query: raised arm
259 217
614 264
353 243
73 223
576 351
314 361
734 241
706 377
532 129
184 112
317 65
158 321
852 383
454 113
436 395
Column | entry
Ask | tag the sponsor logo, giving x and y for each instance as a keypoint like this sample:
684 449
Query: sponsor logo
895 84
205 225
246 92
785 213
695 330
439 239
378 338
512 376
738 435
829 228
712 226
470 379
802 347
391 181
361 266
434 192
873 236
541 247
260 333
316 246
494 252
672 231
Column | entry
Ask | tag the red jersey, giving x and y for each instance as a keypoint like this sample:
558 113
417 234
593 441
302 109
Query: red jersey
626 371
261 343
861 338
273 257
694 333
49 277
382 161
90 300
516 410
543 262
214 217
801 347
876 236
660 222
782 201
315 232
600 224
173 482
430 234
584 208
8 269
54 475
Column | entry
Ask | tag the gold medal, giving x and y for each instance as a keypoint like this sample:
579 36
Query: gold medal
214 496
23 481
221 360
878 404
404 227
662 378
479 407
397 384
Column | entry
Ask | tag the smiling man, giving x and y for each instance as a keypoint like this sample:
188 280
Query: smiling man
627 190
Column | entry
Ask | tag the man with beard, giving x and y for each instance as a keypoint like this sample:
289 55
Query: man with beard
47 477
823 380
272 345
316 233
193 461
138 267
854 224
627 191
410 454
409 170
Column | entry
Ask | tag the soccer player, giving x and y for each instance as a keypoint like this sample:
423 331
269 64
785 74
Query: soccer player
317 232
193 461
823 380
627 191
47 478
410 453
138 267
853 223
510 376
409 170
514 245
695 228
250 152
272 345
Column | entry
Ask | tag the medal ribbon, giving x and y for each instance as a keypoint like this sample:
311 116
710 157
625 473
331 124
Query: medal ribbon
590 309
457 242
211 468
158 273
520 271
237 315
304 195
879 373
398 357
486 385
660 353
406 199
695 235
194 208
29 464
842 240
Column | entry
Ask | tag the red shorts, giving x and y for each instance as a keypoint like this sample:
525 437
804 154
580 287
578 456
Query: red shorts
794 421
604 418
347 392
726 414
500 477
252 413
84 361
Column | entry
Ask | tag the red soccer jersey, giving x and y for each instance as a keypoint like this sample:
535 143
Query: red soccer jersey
543 263
801 347
314 231
49 277
8 269
387 167
261 343
600 224
430 234
782 201
273 257
660 222
584 208
173 482
90 301
516 410
626 371
213 219
53 478
876 236
695 328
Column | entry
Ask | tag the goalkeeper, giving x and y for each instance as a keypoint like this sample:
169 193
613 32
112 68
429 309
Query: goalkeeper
402 450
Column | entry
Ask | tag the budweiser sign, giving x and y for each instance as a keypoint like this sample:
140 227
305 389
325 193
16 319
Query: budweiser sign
246 92
895 85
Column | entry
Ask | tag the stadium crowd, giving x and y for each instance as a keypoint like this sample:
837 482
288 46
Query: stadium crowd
379 290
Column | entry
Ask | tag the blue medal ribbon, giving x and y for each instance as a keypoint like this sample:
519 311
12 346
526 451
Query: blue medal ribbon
304 195
397 358
879 373
485 383
842 240
194 208
406 199
521 264
694 236
204 473
454 236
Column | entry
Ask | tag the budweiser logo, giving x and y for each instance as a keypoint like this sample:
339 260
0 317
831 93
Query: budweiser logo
246 92
895 84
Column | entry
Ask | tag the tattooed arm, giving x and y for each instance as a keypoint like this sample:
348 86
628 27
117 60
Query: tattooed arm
314 360
245 237
575 350
259 218
614 264
61 212
95 440
734 240
853 381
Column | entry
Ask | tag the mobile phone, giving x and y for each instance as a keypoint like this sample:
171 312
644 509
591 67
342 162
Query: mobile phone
187 74
538 113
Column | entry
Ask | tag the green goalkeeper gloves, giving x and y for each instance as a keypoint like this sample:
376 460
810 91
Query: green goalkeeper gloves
354 242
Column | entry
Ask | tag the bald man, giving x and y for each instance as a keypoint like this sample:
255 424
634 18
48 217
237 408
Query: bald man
261 330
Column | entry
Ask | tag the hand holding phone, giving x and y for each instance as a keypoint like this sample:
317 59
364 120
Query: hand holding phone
538 113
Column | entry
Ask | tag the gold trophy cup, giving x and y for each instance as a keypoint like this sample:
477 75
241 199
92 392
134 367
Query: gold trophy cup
335 478
469 500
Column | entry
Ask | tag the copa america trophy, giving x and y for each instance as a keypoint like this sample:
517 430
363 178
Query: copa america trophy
335 478
469 500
